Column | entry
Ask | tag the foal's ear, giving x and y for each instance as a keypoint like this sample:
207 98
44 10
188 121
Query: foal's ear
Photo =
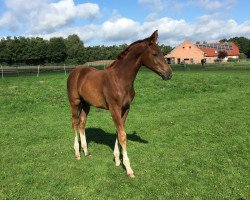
154 37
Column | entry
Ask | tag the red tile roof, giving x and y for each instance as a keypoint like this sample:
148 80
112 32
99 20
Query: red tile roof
211 51
234 51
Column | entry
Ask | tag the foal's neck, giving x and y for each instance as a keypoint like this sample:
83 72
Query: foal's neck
127 69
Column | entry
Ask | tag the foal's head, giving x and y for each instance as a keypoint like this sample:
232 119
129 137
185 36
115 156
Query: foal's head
153 58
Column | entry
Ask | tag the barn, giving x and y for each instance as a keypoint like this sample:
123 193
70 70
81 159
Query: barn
190 53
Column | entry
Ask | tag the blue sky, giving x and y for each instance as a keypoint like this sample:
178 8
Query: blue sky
100 22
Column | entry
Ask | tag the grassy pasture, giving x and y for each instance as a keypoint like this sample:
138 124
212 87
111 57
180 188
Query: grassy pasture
188 138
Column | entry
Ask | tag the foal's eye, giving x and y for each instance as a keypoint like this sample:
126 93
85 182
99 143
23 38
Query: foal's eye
154 54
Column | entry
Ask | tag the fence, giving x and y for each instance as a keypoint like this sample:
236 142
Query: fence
100 63
17 70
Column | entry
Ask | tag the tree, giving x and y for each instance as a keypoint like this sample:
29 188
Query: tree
165 49
248 53
222 55
5 56
16 50
36 51
224 40
56 50
243 44
74 49
242 56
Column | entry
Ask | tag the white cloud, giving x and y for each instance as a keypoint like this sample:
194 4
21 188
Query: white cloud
8 20
115 15
111 32
46 16
118 30
171 31
159 6
169 27
62 13
154 5
87 10
47 19
212 5
25 5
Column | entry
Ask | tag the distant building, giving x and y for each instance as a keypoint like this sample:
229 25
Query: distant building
186 52
211 50
190 53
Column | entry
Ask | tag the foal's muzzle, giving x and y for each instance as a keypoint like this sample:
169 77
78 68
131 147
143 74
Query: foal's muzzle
166 76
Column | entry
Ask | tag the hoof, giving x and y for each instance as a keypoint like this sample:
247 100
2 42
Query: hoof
88 154
117 164
131 175
78 158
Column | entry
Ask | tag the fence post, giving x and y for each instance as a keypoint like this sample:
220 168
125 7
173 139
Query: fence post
38 71
65 73
2 71
17 70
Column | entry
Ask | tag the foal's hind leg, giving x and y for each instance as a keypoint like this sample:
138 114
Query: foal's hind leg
82 123
74 110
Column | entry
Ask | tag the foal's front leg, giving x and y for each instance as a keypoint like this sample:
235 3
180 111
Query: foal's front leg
124 115
116 113
117 153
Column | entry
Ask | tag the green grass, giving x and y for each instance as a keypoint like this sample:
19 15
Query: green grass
188 138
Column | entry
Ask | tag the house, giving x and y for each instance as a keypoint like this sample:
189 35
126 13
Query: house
211 50
190 53
186 52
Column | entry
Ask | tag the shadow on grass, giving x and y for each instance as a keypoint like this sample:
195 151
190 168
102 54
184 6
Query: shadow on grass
99 136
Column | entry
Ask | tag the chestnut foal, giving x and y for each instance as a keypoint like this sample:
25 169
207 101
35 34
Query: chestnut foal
113 89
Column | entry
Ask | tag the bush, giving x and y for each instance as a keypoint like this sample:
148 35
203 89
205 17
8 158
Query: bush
232 60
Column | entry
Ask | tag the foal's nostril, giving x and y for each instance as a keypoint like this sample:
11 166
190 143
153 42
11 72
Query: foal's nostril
170 76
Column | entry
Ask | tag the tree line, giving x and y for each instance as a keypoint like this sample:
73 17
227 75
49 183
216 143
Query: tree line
71 50
56 50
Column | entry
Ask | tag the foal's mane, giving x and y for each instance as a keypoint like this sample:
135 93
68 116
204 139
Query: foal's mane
125 52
